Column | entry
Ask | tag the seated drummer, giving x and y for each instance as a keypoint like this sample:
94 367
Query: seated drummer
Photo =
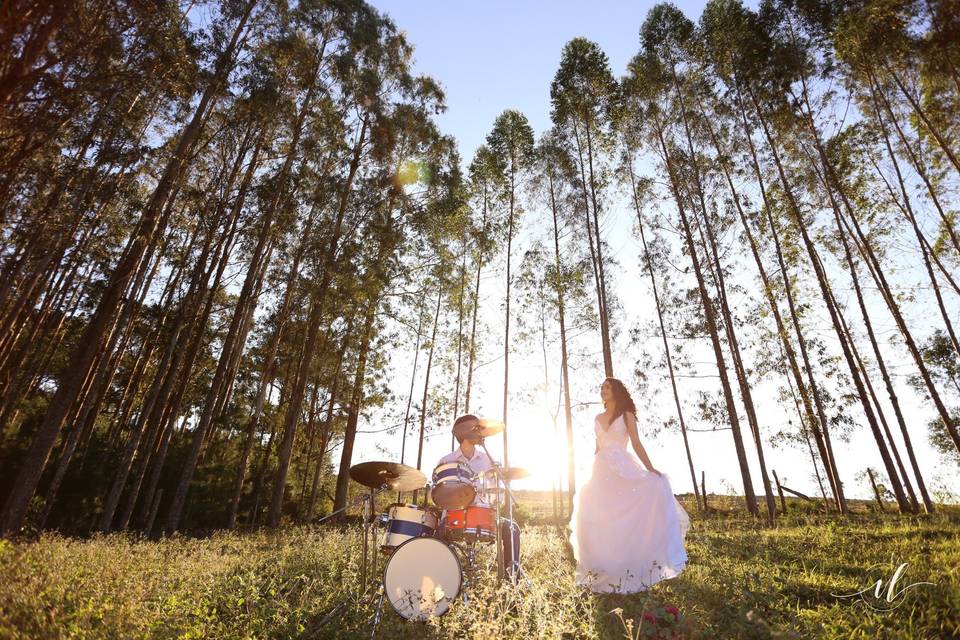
465 430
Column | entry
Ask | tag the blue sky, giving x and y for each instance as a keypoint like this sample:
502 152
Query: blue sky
496 55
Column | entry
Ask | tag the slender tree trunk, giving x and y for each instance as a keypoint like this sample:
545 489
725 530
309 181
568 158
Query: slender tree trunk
356 400
805 432
663 333
602 284
506 325
821 433
312 430
328 422
707 305
564 358
827 297
426 380
463 292
413 378
472 351
601 301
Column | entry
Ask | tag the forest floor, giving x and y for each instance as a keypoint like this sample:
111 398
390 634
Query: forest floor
743 580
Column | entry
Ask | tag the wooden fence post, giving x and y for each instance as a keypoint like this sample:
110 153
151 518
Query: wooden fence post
703 489
876 491
783 501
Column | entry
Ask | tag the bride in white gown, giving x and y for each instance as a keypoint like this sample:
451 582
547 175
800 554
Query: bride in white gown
627 527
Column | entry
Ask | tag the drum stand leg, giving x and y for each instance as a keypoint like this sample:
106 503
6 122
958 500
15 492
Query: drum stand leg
496 533
375 621
470 555
364 588
367 510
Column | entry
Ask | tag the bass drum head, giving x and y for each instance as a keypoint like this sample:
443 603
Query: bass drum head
422 578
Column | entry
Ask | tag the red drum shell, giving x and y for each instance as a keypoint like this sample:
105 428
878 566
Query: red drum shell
474 521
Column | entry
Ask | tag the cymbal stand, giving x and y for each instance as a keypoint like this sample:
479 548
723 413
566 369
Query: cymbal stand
509 500
367 526
519 572
378 612
368 503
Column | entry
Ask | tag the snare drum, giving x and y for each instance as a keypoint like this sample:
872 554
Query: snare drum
453 486
407 521
474 522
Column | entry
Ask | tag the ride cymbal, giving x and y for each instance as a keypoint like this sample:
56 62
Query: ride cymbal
399 477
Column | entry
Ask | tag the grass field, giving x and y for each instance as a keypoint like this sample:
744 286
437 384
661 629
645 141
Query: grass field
743 580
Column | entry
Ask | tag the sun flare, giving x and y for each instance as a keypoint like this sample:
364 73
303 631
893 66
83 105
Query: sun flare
538 446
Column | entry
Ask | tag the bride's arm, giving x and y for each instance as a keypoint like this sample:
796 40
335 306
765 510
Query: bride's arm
631 421
596 436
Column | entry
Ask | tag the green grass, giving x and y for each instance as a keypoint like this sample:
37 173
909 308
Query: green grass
744 580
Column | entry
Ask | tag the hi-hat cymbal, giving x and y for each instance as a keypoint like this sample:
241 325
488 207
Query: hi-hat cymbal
510 473
399 477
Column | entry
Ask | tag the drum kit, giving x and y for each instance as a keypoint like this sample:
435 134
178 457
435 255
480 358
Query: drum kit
431 549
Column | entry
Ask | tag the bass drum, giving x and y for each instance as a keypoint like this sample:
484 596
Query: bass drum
422 578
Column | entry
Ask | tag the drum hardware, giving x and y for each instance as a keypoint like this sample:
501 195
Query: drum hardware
504 475
377 477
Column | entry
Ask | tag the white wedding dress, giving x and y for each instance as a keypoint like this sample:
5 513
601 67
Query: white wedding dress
627 527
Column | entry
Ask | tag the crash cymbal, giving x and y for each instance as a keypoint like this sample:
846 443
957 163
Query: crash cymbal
489 427
480 429
399 477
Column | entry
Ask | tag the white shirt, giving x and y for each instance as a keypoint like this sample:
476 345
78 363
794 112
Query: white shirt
479 463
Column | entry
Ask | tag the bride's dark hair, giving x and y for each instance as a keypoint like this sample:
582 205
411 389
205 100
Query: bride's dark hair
621 397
